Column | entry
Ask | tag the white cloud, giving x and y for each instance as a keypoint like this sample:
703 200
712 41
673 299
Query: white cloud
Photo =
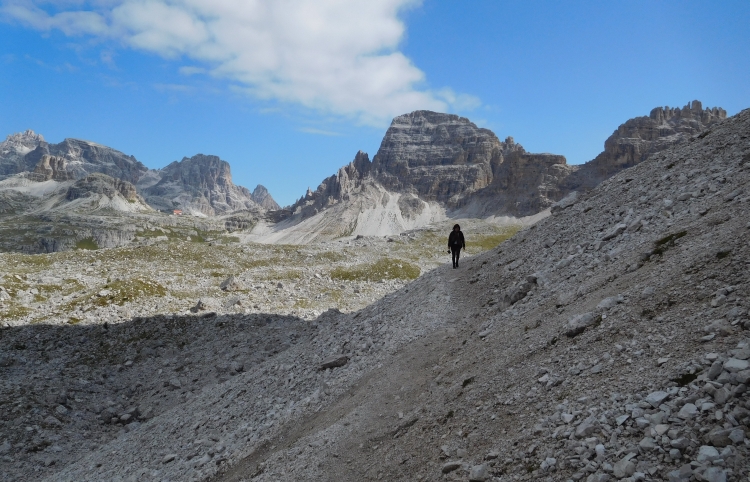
334 56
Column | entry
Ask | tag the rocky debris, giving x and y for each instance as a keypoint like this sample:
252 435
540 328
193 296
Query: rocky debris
636 395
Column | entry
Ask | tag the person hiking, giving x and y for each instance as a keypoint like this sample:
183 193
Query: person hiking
455 243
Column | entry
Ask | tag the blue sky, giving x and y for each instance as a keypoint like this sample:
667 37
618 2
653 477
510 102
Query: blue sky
288 91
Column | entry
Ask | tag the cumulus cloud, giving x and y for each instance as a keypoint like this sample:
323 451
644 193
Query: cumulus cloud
334 56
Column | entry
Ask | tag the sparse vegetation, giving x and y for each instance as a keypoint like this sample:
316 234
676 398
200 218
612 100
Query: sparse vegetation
170 275
385 268
87 243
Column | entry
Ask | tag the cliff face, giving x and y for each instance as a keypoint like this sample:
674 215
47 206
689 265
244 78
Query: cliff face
334 189
640 137
82 158
436 156
202 185
50 168
104 185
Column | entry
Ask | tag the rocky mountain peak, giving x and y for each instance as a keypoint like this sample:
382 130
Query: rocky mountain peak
425 138
261 196
13 150
21 142
201 184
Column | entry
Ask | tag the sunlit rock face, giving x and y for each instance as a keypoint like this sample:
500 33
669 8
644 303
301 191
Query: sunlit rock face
26 151
640 137
201 185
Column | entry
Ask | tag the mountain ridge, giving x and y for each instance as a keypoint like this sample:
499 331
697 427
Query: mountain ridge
447 165
74 159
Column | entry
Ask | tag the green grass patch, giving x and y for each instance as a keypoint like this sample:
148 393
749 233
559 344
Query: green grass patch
384 268
490 241
87 243
15 311
119 293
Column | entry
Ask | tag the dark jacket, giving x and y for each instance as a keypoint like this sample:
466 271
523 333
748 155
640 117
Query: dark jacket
456 240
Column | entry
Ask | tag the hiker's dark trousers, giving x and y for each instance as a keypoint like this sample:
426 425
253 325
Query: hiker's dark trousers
455 252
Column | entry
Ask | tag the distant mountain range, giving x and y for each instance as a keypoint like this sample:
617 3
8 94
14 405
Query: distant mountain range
199 185
429 166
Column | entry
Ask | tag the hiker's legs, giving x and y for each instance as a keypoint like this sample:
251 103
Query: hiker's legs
455 253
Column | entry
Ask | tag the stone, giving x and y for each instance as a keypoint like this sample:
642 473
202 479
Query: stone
734 365
623 468
680 443
743 377
564 203
683 474
614 231
584 429
720 437
721 395
657 398
688 411
577 324
175 384
334 361
199 306
715 474
450 466
230 284
598 478
737 435
479 473
168 458
707 453
647 444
